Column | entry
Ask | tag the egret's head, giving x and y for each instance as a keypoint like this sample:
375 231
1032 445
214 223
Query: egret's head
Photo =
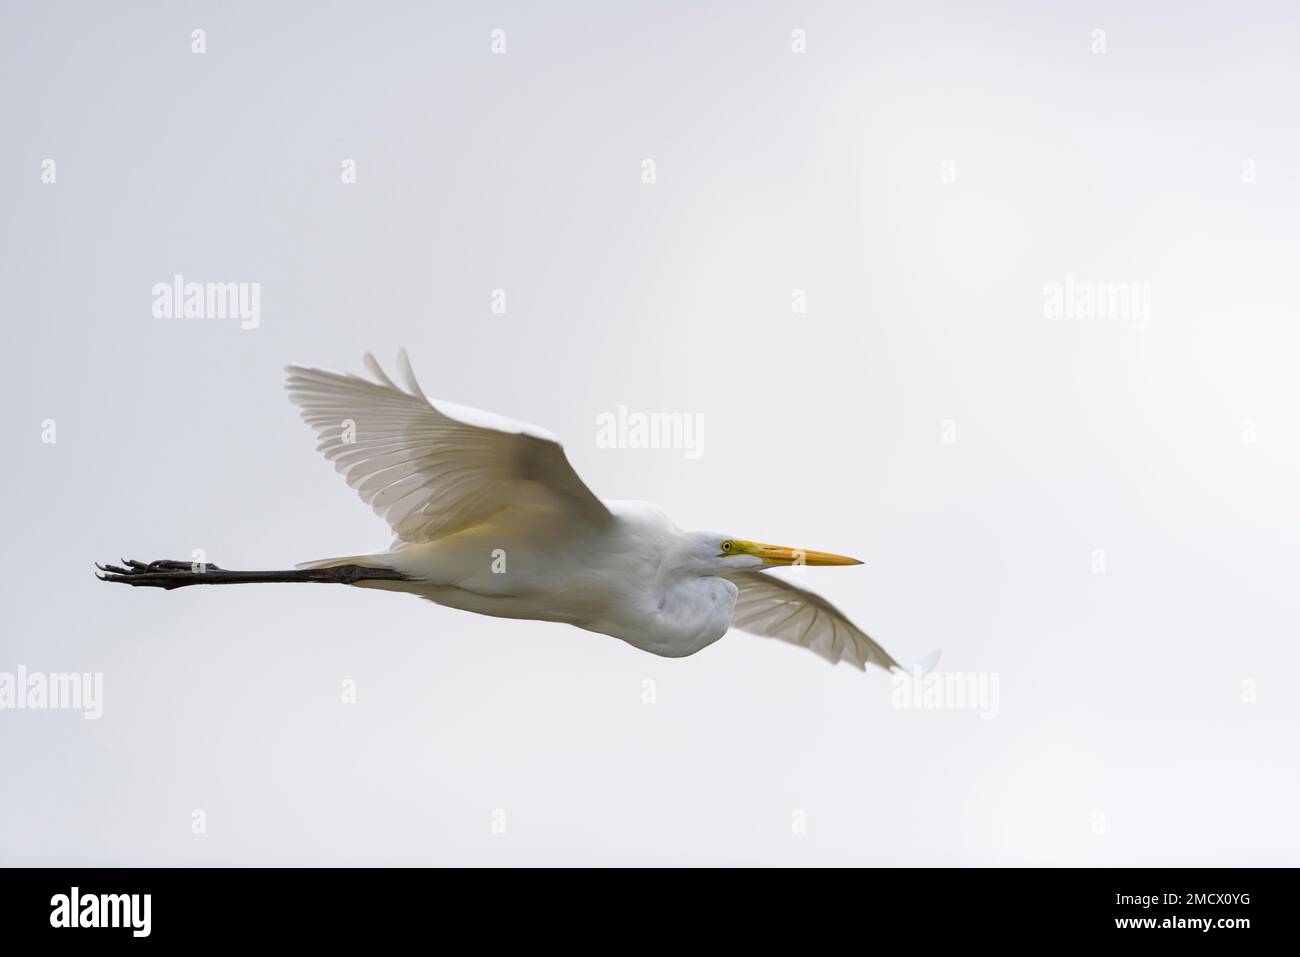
724 555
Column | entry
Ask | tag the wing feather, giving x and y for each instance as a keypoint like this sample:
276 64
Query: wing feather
432 468
774 608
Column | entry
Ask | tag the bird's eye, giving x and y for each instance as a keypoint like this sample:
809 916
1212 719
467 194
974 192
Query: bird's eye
726 546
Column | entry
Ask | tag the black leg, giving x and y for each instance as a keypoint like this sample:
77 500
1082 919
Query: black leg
173 574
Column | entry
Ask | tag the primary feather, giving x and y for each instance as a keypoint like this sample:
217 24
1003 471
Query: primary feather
431 469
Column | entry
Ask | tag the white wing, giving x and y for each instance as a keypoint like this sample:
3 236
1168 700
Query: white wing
774 608
431 469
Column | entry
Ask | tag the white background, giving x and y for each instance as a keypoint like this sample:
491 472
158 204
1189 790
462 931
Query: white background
1123 735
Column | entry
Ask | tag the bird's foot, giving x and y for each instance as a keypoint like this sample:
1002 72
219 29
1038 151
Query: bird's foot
160 574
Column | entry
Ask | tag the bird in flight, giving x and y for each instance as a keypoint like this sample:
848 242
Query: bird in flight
490 517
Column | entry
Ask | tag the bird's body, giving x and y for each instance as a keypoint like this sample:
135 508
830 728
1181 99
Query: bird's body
637 591
489 517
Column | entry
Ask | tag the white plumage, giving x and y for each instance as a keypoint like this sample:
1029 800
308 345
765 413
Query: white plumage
489 516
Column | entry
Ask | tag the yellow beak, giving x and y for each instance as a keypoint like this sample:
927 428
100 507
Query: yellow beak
780 555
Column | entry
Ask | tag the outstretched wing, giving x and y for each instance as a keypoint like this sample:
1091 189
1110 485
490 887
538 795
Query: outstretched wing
774 608
433 468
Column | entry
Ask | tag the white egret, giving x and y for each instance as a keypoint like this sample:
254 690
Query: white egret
490 517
